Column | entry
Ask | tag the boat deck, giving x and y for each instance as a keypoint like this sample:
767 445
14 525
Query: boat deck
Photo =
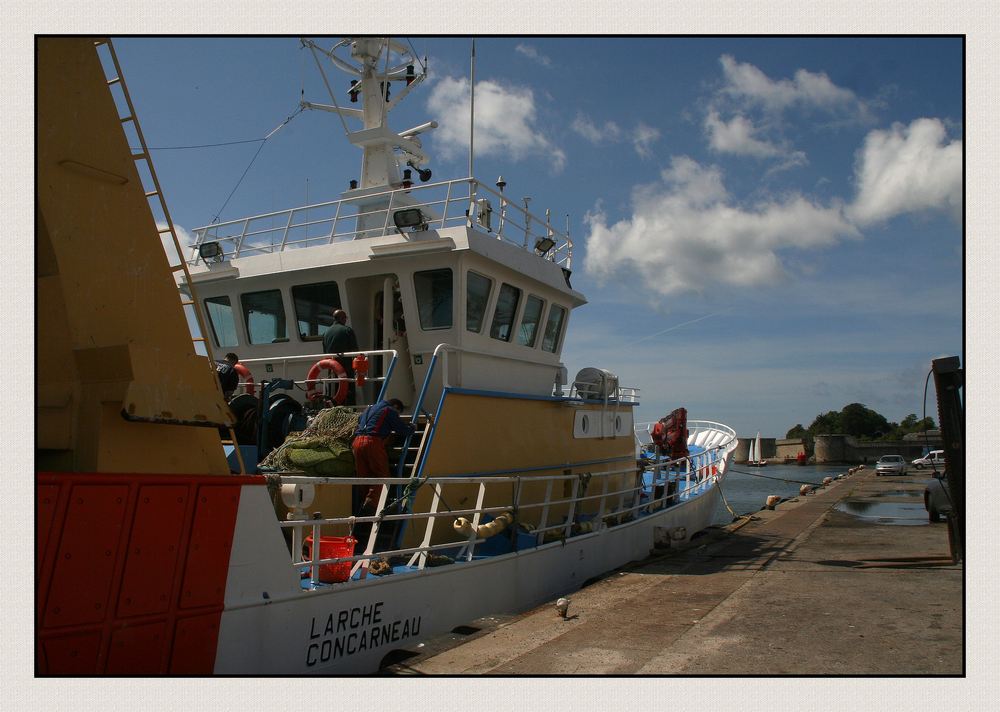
660 489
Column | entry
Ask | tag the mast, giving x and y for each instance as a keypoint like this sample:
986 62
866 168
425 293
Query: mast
383 150
472 107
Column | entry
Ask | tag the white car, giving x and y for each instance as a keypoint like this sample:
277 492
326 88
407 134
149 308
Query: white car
890 465
937 498
935 458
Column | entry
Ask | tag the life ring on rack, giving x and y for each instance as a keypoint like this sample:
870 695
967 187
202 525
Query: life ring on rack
246 378
313 392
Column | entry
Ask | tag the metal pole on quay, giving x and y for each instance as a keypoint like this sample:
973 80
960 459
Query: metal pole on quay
949 377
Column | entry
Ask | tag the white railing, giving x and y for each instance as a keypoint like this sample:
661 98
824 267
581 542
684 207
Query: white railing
615 505
443 204
284 362
594 392
723 435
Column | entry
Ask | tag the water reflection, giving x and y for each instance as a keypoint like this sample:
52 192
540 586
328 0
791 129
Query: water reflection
885 512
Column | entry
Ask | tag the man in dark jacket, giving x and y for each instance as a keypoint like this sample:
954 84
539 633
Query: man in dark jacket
339 338
229 379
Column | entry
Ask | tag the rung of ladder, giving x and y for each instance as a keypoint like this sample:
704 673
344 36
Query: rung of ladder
166 229
127 118
116 80
151 193
177 268
139 156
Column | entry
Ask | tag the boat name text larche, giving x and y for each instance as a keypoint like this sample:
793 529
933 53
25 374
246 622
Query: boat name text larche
356 629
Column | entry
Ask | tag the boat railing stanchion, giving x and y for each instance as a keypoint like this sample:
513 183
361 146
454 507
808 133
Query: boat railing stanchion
470 213
501 184
314 554
388 213
239 240
568 530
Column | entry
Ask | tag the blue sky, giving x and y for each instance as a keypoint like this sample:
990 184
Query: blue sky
766 228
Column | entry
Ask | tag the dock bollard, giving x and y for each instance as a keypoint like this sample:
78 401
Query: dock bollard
827 481
772 501
804 490
562 607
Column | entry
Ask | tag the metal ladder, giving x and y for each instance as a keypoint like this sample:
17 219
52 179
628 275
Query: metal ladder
188 301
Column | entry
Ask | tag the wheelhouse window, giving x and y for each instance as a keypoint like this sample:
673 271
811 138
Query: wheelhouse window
222 321
528 331
503 316
314 306
477 295
264 316
553 328
434 298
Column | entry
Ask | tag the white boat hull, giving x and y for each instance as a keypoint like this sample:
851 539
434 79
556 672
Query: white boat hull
350 628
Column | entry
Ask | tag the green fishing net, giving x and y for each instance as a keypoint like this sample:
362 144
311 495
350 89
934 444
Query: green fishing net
323 449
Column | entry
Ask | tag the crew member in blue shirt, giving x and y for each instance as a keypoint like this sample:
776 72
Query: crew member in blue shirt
377 427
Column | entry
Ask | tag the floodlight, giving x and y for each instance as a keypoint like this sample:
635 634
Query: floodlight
411 217
544 244
210 251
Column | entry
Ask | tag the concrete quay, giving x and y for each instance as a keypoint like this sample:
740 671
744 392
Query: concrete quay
805 589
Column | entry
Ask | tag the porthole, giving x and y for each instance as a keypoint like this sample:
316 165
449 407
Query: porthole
585 424
618 423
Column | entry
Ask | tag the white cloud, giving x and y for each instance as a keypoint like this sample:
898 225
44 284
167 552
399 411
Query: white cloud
596 134
686 233
745 116
533 54
505 121
737 136
183 237
643 137
908 169
748 84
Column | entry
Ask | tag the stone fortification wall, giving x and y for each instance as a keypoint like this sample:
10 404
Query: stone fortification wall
844 449
789 448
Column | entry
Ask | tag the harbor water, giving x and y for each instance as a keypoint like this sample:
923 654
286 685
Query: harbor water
747 488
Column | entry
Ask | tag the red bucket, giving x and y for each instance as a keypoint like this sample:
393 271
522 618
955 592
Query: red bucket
333 547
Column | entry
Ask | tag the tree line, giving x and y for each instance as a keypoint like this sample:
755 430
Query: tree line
861 422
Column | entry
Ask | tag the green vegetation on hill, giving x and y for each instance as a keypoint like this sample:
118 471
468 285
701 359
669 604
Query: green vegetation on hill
861 422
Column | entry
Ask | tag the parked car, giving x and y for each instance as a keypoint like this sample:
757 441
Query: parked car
937 497
935 458
890 465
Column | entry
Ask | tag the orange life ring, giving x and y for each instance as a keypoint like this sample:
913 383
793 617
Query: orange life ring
246 378
313 391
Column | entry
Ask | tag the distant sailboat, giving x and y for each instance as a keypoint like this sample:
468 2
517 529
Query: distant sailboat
756 458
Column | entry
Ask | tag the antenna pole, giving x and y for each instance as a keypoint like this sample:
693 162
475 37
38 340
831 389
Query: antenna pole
472 106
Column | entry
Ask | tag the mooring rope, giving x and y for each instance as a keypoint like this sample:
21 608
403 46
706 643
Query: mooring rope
779 479
725 501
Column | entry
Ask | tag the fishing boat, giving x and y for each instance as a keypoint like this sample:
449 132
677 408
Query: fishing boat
756 457
165 545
